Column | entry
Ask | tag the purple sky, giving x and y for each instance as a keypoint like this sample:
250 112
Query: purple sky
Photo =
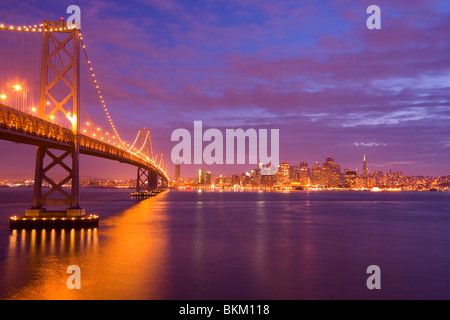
309 68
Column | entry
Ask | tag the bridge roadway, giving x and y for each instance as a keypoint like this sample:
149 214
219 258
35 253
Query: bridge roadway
18 126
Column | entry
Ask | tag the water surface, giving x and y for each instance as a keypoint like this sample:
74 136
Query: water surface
233 245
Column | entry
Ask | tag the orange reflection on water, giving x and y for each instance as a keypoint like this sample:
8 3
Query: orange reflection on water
123 259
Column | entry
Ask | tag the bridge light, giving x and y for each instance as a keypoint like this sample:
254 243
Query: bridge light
52 117
73 120
17 87
3 96
48 102
33 109
87 123
93 135
84 131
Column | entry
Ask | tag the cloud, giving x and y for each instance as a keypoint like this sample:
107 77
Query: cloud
369 144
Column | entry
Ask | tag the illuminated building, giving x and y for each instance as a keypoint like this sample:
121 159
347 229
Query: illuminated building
304 174
227 182
283 173
208 177
316 174
268 180
294 173
219 181
177 172
350 179
236 180
201 176
331 174
365 173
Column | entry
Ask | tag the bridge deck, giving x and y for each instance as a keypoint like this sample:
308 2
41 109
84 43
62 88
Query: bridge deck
21 127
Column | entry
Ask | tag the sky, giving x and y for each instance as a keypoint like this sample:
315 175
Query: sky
311 69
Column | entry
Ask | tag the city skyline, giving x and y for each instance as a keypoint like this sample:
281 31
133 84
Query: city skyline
126 172
325 176
365 169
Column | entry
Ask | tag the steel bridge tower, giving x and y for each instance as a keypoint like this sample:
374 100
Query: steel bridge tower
60 66
147 179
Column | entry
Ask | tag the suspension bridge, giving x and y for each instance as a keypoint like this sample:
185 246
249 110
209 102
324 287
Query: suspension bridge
44 74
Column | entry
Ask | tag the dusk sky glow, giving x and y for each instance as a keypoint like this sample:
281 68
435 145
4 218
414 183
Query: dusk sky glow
309 68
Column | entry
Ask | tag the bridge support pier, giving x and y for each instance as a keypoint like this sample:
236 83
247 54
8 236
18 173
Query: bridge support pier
153 180
146 184
56 196
67 213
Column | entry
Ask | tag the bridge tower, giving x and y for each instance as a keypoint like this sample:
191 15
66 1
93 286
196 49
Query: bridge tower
59 95
147 178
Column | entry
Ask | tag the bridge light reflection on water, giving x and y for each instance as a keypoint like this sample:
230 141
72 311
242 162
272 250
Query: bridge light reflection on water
124 258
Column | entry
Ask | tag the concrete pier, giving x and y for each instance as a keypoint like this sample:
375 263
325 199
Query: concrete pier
53 222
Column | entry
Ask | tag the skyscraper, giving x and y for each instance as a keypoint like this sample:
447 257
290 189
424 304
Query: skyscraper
304 174
284 173
294 173
331 174
365 173
350 179
201 176
236 180
177 171
316 174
